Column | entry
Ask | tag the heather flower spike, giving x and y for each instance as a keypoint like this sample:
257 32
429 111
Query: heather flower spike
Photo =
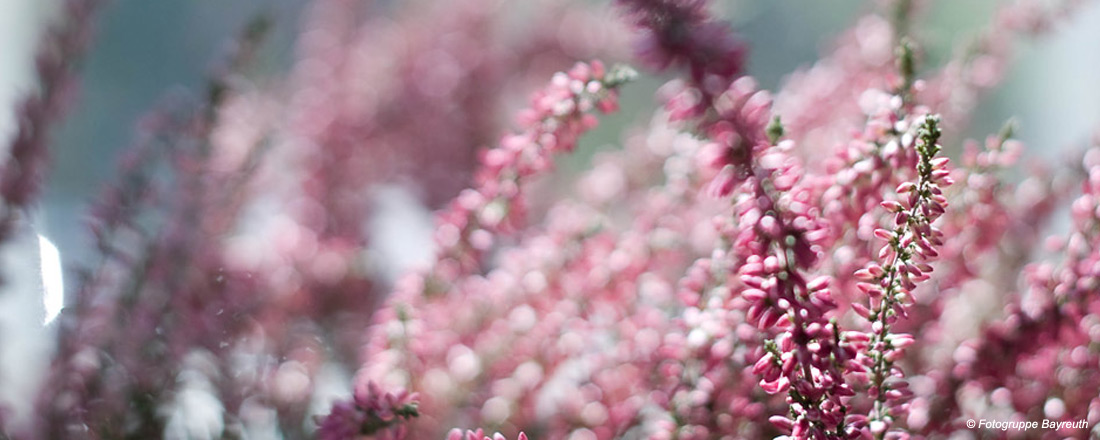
558 115
777 237
681 32
910 246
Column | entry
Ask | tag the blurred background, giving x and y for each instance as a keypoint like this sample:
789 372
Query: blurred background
144 50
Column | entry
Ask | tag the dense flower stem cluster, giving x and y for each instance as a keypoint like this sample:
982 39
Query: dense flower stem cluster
1054 319
774 236
910 247
740 268
806 359
777 292
877 159
559 114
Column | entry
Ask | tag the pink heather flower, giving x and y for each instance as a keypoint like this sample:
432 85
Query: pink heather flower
371 412
806 359
1032 341
875 159
558 115
456 434
681 33
904 262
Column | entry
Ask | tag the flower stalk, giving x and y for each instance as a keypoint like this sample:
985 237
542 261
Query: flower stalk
910 246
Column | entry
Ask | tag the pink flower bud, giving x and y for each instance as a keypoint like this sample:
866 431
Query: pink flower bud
901 340
818 283
765 363
753 294
777 386
784 424
892 206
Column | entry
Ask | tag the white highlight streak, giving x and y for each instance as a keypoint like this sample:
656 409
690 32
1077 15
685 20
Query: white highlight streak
52 279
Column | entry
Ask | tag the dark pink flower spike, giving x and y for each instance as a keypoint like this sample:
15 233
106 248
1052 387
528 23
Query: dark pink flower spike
681 34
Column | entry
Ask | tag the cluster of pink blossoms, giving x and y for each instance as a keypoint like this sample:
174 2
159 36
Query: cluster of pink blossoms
794 256
370 412
558 115
811 266
889 285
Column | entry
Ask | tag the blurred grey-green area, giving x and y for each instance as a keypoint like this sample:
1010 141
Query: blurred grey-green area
146 48
143 52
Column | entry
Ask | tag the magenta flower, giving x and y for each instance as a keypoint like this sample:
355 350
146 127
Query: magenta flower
371 412
681 33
